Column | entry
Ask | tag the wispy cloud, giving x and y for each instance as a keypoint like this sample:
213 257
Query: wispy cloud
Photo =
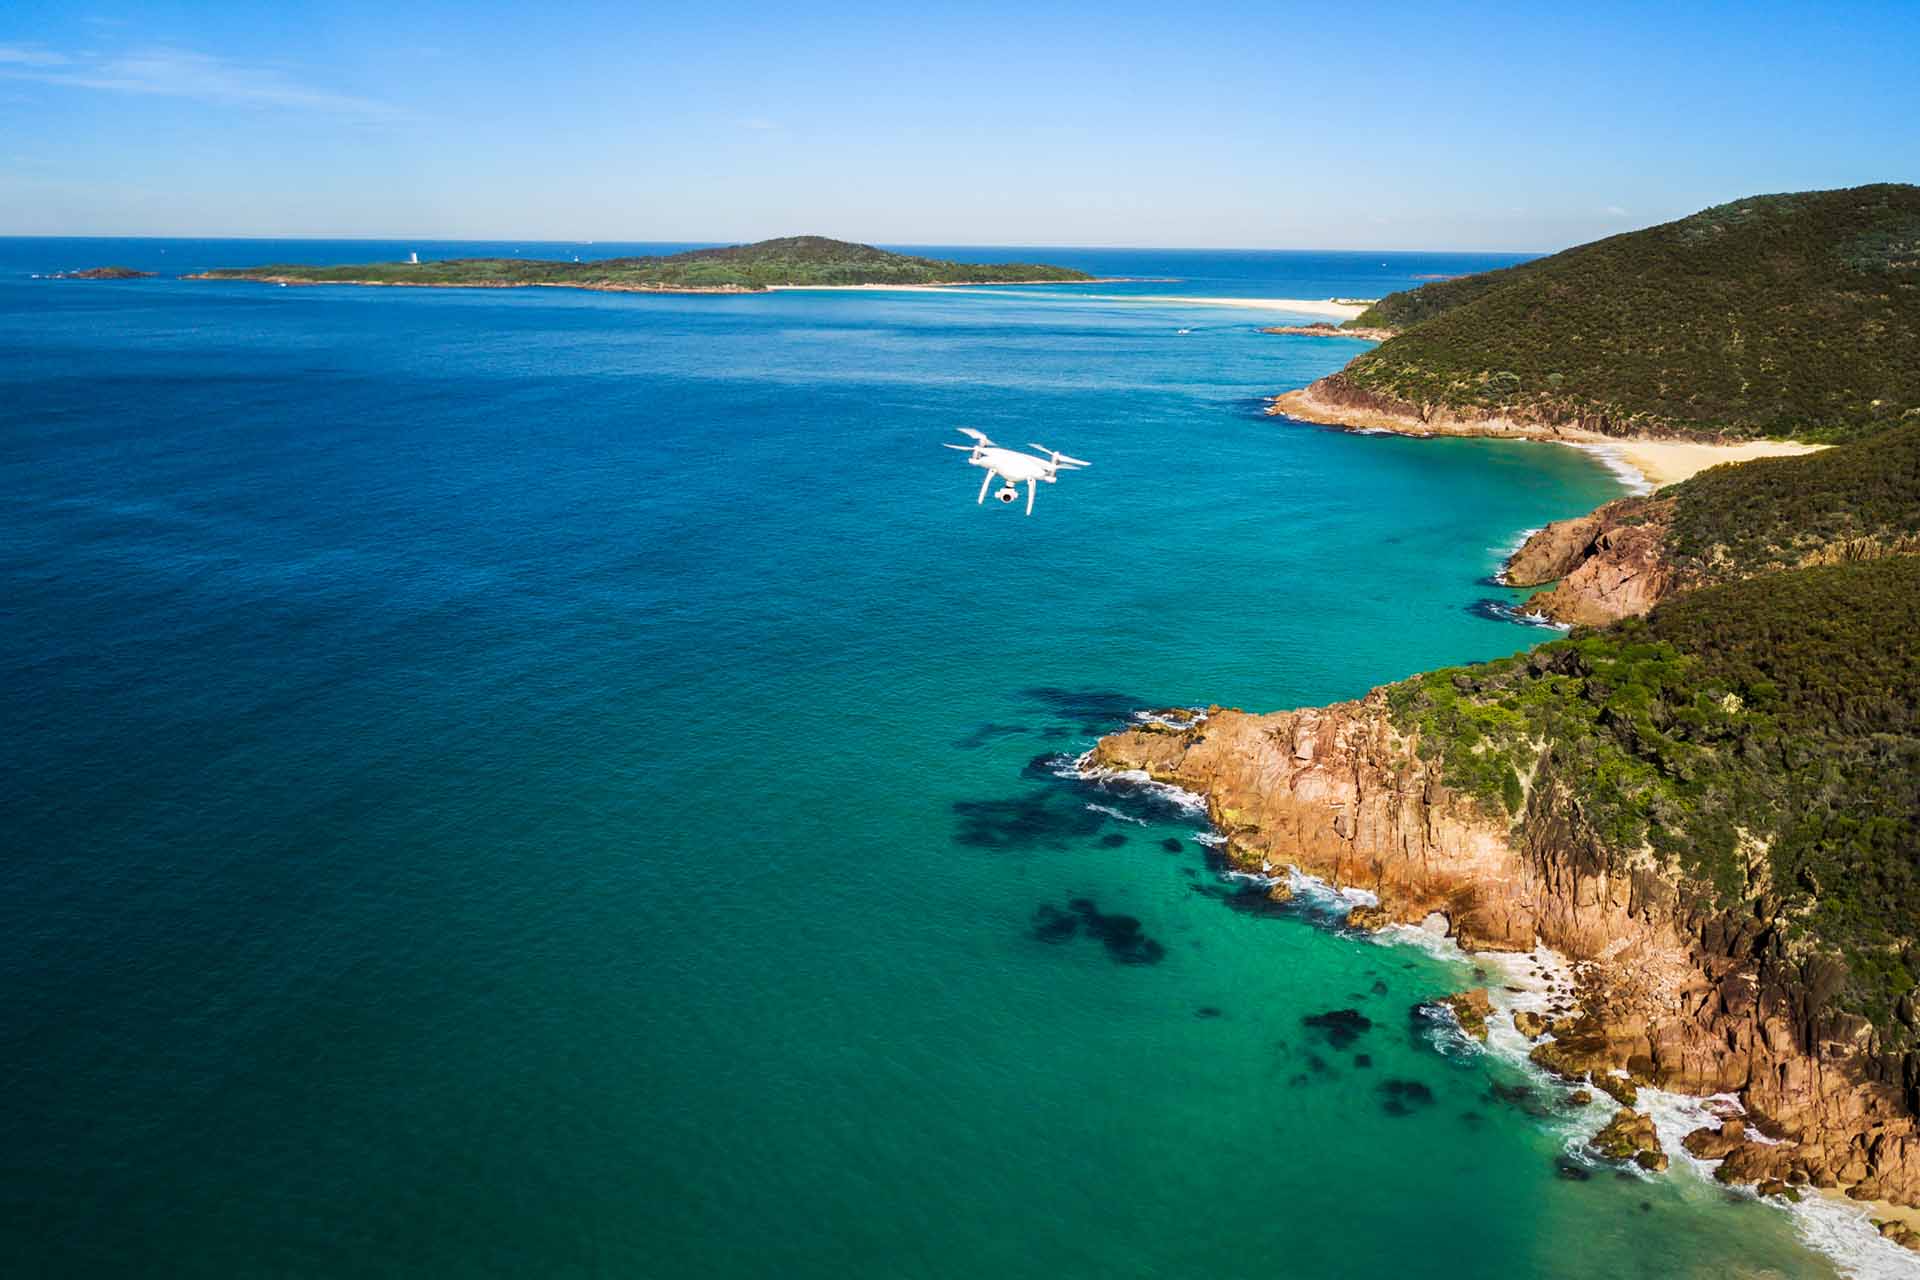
759 124
15 55
1614 211
183 73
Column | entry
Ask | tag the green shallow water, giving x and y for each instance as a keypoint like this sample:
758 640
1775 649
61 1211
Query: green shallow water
552 785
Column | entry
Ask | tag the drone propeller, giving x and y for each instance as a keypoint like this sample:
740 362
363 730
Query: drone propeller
964 448
980 437
1060 459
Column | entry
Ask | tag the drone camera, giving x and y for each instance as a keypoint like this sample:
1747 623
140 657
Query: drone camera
1007 495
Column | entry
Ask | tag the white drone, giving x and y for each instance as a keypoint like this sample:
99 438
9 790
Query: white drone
1013 467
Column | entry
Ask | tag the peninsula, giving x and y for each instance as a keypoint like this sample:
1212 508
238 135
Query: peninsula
1771 318
792 262
1712 803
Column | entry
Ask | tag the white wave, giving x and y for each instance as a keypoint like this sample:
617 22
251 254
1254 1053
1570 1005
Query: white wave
1188 717
1506 549
1530 618
1840 1229
1181 798
1211 839
1628 474
1116 814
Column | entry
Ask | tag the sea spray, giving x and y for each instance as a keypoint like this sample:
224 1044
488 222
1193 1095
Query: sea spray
1531 981
1629 475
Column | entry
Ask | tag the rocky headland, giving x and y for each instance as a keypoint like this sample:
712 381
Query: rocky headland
1848 504
1337 400
1682 984
1322 329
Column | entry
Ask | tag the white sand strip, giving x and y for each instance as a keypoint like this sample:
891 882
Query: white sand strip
1665 462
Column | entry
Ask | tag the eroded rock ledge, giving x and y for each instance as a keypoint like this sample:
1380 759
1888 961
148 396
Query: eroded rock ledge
1609 564
1676 991
1337 401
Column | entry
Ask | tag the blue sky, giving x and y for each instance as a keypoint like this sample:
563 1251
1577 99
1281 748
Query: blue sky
1269 125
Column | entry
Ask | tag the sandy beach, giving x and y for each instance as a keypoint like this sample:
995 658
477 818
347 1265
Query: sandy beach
921 288
1301 306
1297 306
1665 462
1656 462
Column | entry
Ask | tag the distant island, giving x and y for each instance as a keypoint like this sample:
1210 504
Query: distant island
102 273
794 262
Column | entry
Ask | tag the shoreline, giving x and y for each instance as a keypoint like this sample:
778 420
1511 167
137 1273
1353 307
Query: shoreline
590 287
1301 306
1658 462
929 288
1324 330
1532 976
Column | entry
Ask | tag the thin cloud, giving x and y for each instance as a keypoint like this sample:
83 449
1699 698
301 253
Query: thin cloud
1614 210
14 55
182 73
759 124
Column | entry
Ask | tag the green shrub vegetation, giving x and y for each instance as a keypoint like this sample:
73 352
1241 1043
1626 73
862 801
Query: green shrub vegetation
1760 739
1854 501
795 260
1787 315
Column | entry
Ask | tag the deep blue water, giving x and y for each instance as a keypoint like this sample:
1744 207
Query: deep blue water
544 782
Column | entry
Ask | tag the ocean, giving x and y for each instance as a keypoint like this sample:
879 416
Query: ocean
540 782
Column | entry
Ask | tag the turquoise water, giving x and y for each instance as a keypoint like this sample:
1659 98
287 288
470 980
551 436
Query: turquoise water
567 784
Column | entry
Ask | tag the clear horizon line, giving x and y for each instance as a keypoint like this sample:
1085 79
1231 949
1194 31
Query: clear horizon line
902 244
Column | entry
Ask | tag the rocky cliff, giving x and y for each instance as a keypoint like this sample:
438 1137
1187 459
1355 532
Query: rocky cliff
1340 401
1609 564
1677 991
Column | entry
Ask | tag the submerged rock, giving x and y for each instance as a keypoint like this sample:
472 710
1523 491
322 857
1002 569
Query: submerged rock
1342 1026
1400 1097
1572 1170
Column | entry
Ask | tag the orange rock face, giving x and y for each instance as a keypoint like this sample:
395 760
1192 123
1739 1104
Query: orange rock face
1675 990
1612 563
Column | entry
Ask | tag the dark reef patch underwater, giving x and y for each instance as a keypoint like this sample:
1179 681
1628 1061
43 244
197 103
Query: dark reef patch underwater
1120 934
489 797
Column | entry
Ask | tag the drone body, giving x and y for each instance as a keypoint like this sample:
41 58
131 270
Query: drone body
1013 467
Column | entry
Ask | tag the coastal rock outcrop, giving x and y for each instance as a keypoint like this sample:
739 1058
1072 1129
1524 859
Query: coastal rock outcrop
1471 1009
1673 990
1630 1135
1609 564
1321 329
1338 401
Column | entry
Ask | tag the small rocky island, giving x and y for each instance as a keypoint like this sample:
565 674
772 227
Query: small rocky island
102 273
793 262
